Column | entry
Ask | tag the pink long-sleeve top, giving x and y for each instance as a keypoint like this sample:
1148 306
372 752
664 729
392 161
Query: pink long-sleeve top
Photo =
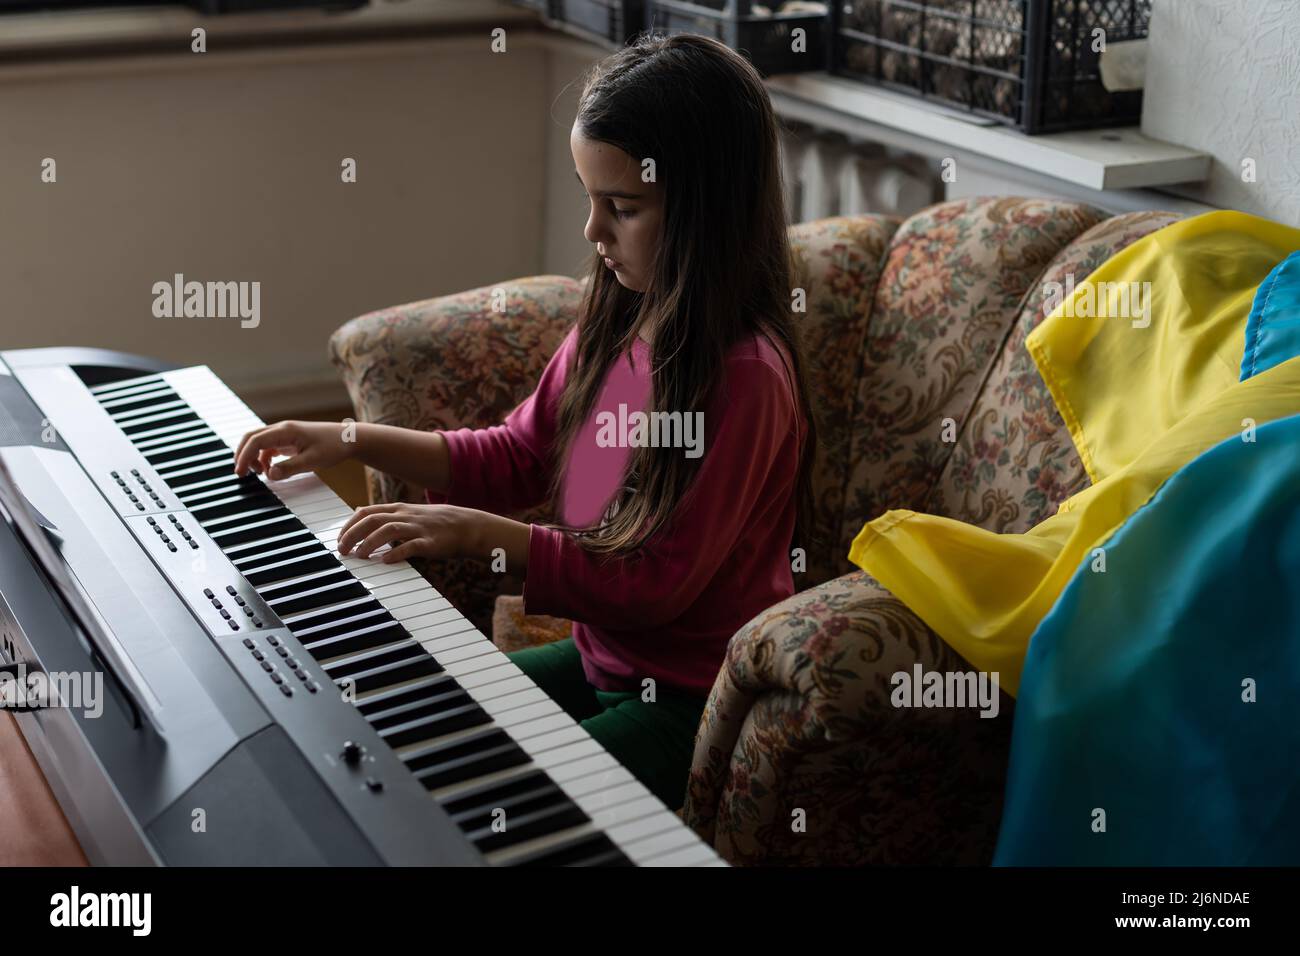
723 557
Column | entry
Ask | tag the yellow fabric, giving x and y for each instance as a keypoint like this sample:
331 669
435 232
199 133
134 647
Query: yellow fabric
1141 399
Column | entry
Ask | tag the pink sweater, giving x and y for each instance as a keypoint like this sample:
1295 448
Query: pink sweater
724 555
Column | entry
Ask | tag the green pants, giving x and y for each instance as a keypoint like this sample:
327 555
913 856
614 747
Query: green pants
653 740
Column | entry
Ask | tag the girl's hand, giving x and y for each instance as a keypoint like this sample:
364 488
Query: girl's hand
431 531
312 445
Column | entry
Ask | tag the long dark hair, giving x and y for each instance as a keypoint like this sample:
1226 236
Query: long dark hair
721 271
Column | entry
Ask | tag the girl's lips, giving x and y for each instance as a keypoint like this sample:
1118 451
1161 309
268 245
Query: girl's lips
613 263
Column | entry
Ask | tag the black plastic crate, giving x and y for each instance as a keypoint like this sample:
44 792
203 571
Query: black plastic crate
1027 63
611 22
765 37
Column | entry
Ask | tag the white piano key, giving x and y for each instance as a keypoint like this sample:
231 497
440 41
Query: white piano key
441 645
408 611
460 653
502 688
436 632
579 768
611 818
389 574
592 801
501 672
597 780
693 854
556 756
501 705
434 617
458 669
386 593
672 838
414 598
543 725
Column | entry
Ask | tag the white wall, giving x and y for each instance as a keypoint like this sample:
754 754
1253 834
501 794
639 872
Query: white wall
565 251
226 167
1223 76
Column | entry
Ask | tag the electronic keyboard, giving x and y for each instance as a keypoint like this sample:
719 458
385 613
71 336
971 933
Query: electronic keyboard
267 700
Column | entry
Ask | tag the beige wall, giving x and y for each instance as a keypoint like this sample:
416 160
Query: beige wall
226 167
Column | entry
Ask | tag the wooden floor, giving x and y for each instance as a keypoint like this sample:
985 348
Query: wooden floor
35 831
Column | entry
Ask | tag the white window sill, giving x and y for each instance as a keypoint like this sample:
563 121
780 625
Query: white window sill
1101 159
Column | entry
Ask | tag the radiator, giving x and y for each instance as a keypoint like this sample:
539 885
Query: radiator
826 174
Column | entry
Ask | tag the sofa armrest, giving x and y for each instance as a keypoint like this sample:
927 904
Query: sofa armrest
460 360
801 758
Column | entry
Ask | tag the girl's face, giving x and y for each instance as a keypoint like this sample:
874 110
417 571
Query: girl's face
626 213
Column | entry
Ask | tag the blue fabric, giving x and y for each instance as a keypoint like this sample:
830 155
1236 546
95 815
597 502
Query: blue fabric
1132 692
1273 327
1131 698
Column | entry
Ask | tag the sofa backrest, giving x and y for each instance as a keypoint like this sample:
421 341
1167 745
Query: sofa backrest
950 285
1014 461
915 333
836 262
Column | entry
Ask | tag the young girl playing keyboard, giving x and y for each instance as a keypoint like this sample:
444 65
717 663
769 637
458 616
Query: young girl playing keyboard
663 550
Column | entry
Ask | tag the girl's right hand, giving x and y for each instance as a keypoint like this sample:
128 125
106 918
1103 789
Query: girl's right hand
311 445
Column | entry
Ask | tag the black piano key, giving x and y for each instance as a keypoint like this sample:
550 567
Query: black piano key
613 857
188 465
528 825
149 411
306 581
340 620
183 478
245 485
466 808
594 849
124 385
191 488
434 697
388 674
522 795
256 531
303 560
383 700
239 512
440 765
138 401
109 388
170 439
328 594
434 725
165 431
369 660
329 612
234 502
184 450
150 423
445 698
354 640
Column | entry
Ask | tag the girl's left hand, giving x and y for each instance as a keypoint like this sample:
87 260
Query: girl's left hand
431 531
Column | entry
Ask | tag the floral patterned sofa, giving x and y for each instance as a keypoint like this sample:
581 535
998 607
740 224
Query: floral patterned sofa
915 331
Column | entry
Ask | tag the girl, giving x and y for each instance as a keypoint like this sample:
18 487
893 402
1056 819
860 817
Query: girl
666 546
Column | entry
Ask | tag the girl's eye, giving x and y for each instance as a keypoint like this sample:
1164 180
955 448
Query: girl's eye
624 213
